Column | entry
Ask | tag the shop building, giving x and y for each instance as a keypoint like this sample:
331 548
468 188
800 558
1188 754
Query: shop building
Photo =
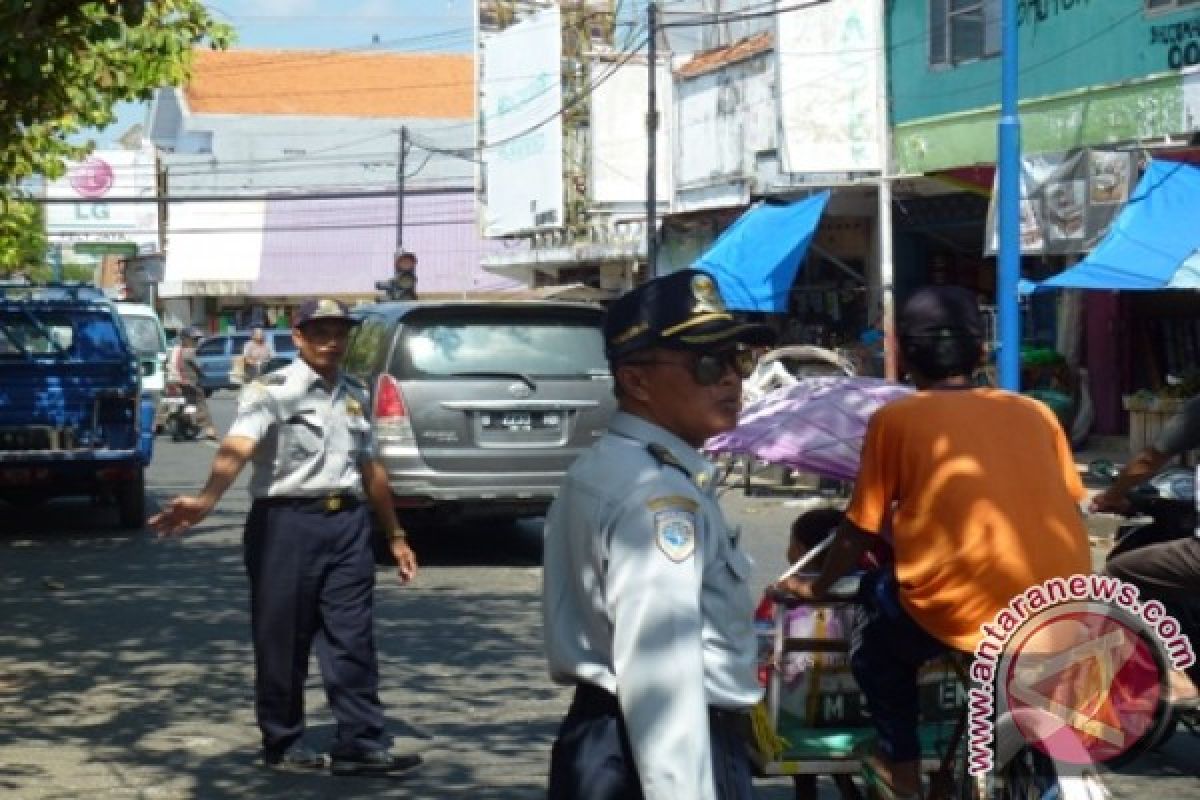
1105 87
789 108
281 173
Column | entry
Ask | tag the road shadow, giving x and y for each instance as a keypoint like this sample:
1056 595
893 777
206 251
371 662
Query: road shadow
134 671
479 544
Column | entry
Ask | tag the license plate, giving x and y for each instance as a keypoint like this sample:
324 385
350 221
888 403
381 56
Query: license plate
517 421
520 421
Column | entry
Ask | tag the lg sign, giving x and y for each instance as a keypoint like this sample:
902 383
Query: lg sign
92 179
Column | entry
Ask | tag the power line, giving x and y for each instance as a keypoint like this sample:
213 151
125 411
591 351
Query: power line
230 198
390 224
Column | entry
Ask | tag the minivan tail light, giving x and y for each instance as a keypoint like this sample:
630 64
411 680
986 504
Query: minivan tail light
391 415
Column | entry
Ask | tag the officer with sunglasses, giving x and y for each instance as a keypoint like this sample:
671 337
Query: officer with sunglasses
647 606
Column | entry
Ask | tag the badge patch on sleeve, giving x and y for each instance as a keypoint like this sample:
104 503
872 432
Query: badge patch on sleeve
675 532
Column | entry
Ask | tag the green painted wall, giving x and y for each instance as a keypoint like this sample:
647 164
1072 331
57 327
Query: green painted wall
1092 72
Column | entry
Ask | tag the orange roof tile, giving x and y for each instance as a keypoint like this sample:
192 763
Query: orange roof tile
332 84
731 54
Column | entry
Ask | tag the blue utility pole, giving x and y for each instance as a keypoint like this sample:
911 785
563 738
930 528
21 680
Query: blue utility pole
1008 267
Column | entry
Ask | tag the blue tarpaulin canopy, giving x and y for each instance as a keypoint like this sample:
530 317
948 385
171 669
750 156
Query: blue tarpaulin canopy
1154 242
755 260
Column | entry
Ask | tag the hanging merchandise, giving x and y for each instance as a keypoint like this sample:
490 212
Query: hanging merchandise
1068 200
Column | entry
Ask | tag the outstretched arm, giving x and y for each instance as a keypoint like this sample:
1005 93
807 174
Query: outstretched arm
183 512
848 545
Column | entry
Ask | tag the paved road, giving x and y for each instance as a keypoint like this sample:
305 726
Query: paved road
125 665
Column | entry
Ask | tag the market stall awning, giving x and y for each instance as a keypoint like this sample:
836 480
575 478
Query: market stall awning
756 259
1154 242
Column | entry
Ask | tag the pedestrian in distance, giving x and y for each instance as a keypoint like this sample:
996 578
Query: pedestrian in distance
308 547
646 601
255 355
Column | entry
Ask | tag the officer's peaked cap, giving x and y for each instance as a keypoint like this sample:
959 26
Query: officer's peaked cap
322 308
683 310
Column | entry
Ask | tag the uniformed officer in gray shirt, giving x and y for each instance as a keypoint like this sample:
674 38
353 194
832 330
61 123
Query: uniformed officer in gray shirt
308 547
647 603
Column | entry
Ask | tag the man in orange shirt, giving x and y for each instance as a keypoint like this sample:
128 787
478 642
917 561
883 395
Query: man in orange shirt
983 497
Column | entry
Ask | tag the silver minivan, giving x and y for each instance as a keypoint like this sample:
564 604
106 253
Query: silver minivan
479 408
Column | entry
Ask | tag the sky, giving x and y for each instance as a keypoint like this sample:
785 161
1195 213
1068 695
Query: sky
413 25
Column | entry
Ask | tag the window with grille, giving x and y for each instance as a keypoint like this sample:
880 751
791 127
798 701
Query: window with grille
1171 5
963 30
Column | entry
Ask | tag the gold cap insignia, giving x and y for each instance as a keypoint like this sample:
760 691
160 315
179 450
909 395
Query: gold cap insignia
326 306
705 296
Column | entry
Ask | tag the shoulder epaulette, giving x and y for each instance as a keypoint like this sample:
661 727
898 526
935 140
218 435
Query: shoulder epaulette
274 379
666 458
357 383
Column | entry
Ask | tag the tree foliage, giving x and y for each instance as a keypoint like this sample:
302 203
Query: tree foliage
65 64
22 237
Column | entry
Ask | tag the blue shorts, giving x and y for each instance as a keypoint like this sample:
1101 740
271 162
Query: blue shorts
886 651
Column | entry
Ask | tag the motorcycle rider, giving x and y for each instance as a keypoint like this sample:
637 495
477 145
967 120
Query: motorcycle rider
185 372
982 493
1166 571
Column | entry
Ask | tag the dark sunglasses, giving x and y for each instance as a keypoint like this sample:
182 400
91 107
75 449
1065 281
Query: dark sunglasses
709 368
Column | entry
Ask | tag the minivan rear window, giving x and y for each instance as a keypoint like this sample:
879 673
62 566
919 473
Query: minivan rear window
537 346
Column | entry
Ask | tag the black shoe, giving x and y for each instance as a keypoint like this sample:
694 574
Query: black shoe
297 758
375 762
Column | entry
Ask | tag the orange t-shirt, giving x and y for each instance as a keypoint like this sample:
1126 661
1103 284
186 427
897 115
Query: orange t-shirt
985 496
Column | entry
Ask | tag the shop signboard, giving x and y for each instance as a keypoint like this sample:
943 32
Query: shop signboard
96 200
522 123
828 72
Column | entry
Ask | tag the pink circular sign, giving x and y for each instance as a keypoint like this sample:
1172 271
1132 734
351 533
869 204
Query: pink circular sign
91 179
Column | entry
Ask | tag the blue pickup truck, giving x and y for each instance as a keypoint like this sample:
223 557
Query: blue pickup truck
73 420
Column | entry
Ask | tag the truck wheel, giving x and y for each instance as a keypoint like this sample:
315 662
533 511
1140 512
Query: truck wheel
131 503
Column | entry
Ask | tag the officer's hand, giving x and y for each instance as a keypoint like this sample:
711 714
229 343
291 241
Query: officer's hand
792 590
406 560
1111 503
179 515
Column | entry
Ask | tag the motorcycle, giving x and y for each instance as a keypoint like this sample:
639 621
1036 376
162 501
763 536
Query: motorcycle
1168 501
180 413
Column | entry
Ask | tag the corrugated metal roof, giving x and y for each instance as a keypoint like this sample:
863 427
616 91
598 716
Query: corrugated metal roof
322 83
723 56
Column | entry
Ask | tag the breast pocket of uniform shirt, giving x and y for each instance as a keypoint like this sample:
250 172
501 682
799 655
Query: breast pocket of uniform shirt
737 571
358 436
305 433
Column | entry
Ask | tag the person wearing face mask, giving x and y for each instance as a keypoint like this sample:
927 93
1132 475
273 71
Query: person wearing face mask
647 605
316 475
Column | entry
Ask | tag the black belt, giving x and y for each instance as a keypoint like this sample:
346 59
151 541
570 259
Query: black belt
330 503
591 701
